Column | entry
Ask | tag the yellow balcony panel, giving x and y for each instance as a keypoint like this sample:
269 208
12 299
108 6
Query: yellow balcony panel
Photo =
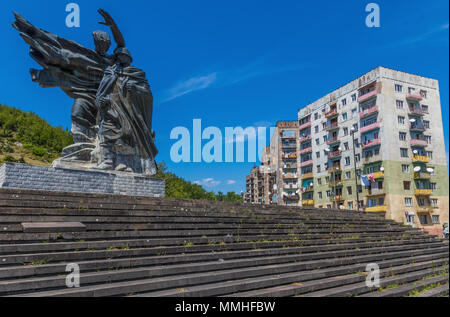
378 175
423 192
338 198
422 175
381 208
420 159
309 203
307 175
425 210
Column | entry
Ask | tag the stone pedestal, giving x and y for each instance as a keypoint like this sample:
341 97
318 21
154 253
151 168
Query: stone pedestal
22 176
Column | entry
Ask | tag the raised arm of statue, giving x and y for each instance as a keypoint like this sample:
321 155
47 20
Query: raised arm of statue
109 21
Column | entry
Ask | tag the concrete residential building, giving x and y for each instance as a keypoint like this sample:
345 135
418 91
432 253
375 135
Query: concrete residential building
395 120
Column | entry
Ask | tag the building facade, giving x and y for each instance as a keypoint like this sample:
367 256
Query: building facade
375 144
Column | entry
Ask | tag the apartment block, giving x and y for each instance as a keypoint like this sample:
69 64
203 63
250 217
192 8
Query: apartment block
375 144
385 126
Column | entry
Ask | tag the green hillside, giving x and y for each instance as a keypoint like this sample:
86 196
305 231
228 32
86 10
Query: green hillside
26 138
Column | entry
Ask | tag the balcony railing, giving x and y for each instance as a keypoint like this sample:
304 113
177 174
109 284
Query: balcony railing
307 163
304 125
308 175
308 203
290 186
423 192
331 113
333 140
290 176
368 112
417 127
381 208
336 183
337 198
289 145
416 97
416 142
289 156
420 159
370 127
334 169
291 197
334 154
307 150
425 209
305 138
332 126
371 143
368 95
376 192
422 175
416 111
378 175
308 189
372 159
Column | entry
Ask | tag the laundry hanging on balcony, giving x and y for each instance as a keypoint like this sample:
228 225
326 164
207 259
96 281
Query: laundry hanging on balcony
365 180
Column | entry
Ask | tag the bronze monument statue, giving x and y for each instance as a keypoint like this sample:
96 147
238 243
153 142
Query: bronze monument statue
113 103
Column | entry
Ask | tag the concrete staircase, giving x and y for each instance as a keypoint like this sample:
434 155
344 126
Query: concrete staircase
134 246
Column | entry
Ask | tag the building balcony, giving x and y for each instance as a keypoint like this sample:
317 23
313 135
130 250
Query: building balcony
306 163
333 140
370 143
422 175
421 143
417 127
372 159
337 183
416 111
376 192
368 112
307 150
416 97
305 138
289 145
368 95
289 156
308 189
331 113
420 159
425 209
307 175
305 125
381 208
335 169
290 165
290 176
378 175
334 154
291 197
370 127
423 192
332 126
337 198
290 186
308 203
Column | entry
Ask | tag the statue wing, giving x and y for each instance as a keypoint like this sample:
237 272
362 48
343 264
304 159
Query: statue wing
66 63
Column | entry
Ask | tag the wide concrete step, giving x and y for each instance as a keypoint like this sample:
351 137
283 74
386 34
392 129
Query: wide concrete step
226 277
389 282
439 291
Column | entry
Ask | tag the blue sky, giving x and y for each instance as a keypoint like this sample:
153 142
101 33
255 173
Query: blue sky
235 63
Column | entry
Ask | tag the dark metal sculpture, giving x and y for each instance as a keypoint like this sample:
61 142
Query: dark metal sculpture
113 103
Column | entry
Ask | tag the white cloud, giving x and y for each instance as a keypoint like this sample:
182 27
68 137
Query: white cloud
208 182
231 182
189 85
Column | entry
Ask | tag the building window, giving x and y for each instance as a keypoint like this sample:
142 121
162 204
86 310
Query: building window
411 90
423 219
317 141
317 154
408 201
350 205
316 129
327 179
354 112
360 189
345 131
426 124
434 202
398 88
358 157
428 138
406 185
346 147
318 168
399 104
319 194
402 136
349 190
344 102
328 193
325 138
403 152
348 175
410 219
405 169
425 108
433 186
435 219
344 116
347 160
354 97
316 116
430 154
401 120
423 93
319 181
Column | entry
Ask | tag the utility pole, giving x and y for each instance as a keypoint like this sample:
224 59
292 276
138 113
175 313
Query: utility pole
354 160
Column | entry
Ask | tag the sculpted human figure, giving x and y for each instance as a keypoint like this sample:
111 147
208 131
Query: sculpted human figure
112 110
